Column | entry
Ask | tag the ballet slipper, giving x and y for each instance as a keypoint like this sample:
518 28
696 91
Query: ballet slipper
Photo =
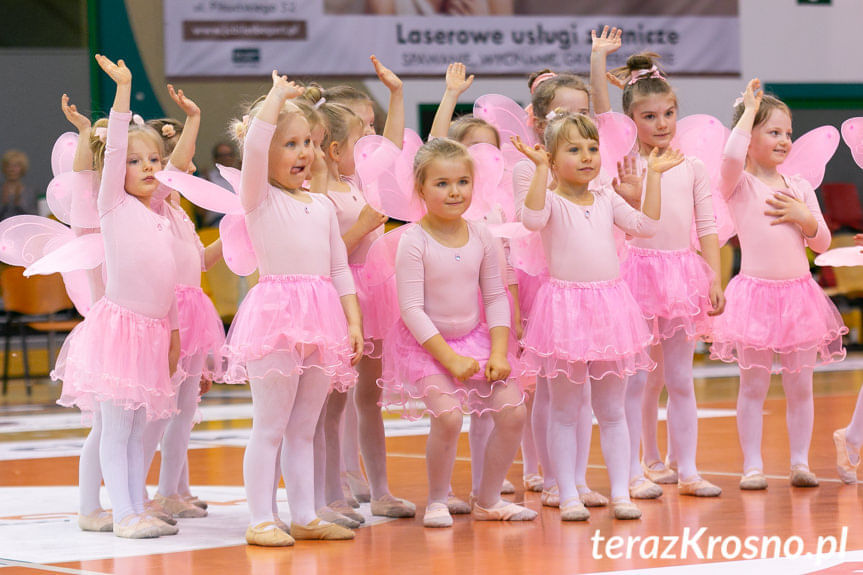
179 507
349 496
282 525
661 475
358 485
457 506
644 488
502 511
330 515
390 506
753 480
802 477
437 515
323 532
153 509
847 470
591 498
507 487
341 506
573 509
698 487
550 497
268 534
533 482
164 528
100 521
136 527
195 501
623 508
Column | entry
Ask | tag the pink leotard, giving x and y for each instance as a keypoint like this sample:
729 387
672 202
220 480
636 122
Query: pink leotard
348 207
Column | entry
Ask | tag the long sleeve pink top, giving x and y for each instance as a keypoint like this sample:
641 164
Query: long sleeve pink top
686 195
768 251
187 247
579 240
289 235
348 207
139 262
437 284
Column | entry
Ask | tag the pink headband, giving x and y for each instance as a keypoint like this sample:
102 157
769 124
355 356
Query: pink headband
652 72
540 79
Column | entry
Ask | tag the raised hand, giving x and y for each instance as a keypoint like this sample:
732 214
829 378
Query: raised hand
660 162
789 210
462 367
629 181
455 78
285 88
185 104
615 81
77 119
537 154
387 76
607 42
753 94
118 72
319 163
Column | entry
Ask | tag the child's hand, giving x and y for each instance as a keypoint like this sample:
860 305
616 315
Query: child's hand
717 298
188 106
858 240
77 119
355 333
370 219
319 163
753 94
286 89
387 76
205 385
790 210
463 368
615 81
629 182
497 368
607 42
664 161
455 78
118 72
537 154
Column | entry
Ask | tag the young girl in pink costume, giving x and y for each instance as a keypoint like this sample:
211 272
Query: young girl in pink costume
676 288
777 318
120 360
441 353
299 329
585 330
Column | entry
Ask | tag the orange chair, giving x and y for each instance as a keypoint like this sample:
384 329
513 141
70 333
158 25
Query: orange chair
32 303
842 206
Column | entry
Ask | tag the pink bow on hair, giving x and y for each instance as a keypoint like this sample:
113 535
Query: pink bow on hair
540 79
138 120
101 133
652 72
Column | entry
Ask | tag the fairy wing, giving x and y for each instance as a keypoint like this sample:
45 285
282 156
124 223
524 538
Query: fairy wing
527 254
201 192
231 175
841 257
78 290
617 133
237 245
810 153
386 176
852 133
488 170
25 239
381 258
72 196
509 230
509 119
77 253
63 153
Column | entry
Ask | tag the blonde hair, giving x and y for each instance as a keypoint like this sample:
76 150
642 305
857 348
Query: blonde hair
647 85
343 94
769 103
13 155
543 93
462 126
97 145
239 126
559 129
438 149
165 126
338 120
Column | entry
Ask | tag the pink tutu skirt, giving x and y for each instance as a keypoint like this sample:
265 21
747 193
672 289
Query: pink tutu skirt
672 288
120 356
201 331
585 330
379 304
291 314
792 319
406 365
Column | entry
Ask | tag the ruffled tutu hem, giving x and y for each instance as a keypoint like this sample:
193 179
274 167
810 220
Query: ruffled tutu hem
407 365
293 315
672 288
778 325
121 356
201 331
379 305
586 330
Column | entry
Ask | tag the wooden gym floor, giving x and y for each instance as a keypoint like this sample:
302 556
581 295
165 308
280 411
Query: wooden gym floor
38 500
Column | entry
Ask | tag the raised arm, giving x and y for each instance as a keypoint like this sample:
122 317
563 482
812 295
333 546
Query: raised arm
534 202
456 85
111 190
184 151
394 128
603 45
734 157
83 154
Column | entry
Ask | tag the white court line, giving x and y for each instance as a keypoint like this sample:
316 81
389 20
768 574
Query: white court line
49 568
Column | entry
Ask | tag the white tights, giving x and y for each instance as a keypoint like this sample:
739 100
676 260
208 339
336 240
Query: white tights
121 451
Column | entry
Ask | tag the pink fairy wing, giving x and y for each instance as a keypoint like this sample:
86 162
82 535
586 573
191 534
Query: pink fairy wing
509 230
852 133
386 176
841 257
25 239
617 134
231 175
201 192
81 253
78 290
488 171
237 245
411 143
810 153
527 254
63 153
381 258
71 198
509 119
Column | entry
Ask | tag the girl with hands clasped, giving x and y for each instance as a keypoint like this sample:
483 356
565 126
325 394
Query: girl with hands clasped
777 319
441 353
120 360
299 331
585 333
